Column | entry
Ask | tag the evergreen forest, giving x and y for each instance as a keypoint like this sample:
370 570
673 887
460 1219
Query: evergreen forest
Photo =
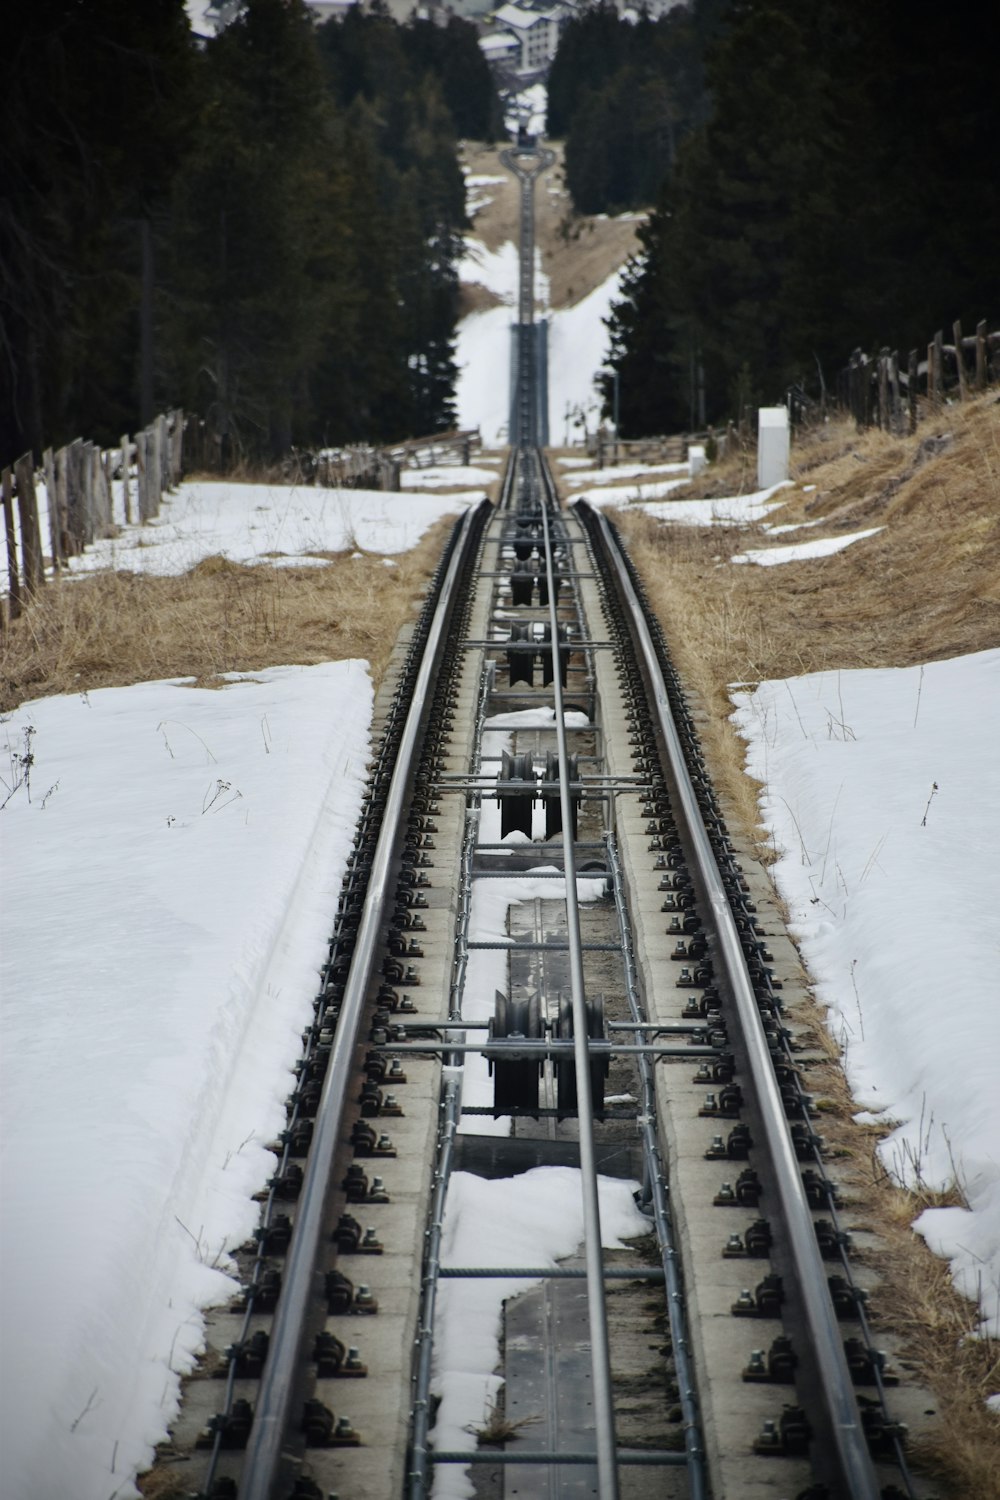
263 229
822 177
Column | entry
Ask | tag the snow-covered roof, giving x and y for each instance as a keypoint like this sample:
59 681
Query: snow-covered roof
518 19
499 41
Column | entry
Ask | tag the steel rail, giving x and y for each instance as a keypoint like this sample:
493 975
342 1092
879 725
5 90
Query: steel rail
604 1416
846 1434
272 1411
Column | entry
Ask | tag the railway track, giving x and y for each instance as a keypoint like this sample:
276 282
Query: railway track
536 742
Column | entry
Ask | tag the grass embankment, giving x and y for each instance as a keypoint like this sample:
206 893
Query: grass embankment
925 588
109 629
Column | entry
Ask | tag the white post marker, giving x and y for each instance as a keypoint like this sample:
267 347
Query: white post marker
772 446
696 459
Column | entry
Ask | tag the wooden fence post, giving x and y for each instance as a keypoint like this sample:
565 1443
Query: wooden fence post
163 441
66 546
155 466
74 495
912 377
939 366
884 416
52 495
981 356
13 572
897 414
126 479
87 494
959 359
102 480
27 509
141 478
177 449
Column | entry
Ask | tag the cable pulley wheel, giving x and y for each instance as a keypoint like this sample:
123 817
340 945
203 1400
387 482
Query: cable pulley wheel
515 1081
565 1069
516 791
553 801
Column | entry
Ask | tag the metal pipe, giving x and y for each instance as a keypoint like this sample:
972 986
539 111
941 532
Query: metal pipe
857 1475
632 1457
604 1416
271 1414
548 1273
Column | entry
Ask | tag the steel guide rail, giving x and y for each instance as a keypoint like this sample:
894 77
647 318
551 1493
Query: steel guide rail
754 994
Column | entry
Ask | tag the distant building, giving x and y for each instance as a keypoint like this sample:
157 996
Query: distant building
536 33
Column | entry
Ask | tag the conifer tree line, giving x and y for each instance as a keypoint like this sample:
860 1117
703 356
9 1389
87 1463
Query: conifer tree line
830 183
264 229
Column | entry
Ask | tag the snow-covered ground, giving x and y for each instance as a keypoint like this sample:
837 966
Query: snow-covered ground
178 853
278 524
769 557
882 795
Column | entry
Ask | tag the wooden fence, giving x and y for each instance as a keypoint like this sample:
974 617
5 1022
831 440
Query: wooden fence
879 392
79 484
671 448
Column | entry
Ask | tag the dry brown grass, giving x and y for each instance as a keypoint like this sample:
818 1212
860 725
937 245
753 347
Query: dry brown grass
109 629
926 587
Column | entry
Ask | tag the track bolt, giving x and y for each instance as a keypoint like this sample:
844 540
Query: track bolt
396 1074
364 1302
734 1246
716 1149
756 1366
725 1195
769 1439
370 1241
745 1301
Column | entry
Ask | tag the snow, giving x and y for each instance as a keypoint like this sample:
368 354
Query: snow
625 471
578 347
496 270
882 798
826 546
482 357
440 475
277 524
734 510
631 494
179 862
